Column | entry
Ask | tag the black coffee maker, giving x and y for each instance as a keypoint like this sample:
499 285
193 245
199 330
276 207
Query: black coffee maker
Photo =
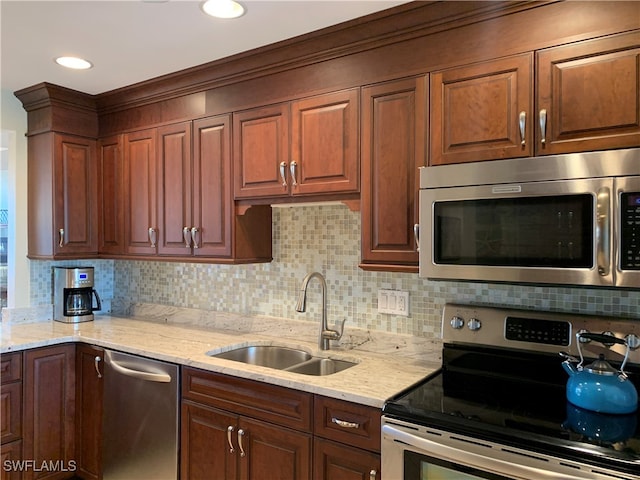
73 294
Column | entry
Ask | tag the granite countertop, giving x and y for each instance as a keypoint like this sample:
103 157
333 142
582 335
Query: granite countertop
386 363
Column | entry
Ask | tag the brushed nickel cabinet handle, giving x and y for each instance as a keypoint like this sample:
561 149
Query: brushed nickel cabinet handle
240 437
344 423
61 234
152 237
543 126
194 233
292 168
283 173
373 474
523 124
229 440
96 363
416 235
186 234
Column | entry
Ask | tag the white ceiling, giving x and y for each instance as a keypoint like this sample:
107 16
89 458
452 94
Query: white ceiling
130 41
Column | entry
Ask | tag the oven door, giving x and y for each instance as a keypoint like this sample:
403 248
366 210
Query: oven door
415 452
538 232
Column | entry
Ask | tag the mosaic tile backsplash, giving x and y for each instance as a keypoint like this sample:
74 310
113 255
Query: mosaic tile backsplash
326 239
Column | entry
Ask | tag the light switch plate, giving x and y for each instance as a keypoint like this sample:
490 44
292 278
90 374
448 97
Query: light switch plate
393 302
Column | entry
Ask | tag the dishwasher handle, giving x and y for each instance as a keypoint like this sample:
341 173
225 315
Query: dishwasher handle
139 374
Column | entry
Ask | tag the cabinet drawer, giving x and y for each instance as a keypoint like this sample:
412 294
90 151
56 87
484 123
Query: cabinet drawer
347 422
259 400
11 367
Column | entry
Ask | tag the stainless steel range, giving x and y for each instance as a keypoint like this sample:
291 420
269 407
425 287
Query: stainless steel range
498 409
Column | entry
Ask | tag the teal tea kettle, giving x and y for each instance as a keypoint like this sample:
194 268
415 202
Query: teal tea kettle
598 386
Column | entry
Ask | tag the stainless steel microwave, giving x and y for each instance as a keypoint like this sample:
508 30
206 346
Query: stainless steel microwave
567 219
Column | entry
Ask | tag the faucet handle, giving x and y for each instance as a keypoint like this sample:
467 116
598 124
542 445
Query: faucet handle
337 334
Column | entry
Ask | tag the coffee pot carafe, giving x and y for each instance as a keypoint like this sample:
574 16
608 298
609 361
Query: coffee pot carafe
74 294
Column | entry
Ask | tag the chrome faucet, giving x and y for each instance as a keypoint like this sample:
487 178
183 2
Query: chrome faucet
326 333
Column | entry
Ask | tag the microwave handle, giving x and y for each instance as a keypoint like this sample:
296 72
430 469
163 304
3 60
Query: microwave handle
603 232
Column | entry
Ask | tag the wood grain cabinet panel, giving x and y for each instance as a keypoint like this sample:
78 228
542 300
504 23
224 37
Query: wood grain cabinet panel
394 132
305 147
590 93
89 406
140 193
110 195
63 211
11 452
49 410
234 428
335 461
477 110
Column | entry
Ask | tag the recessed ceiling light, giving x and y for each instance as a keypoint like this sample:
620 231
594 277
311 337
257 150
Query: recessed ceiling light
223 8
74 62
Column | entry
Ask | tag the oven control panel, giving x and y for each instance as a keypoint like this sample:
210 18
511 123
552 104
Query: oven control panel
538 331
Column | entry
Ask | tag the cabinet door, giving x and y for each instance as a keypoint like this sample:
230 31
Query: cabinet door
141 230
49 409
212 195
89 388
111 208
324 144
335 461
272 452
11 408
205 452
9 453
590 92
477 110
174 188
75 202
394 128
260 146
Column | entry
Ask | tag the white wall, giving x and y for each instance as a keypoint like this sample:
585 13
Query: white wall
13 123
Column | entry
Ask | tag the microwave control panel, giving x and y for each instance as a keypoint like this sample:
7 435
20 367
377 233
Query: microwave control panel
630 231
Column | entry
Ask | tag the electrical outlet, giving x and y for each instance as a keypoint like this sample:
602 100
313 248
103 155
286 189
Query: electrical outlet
393 302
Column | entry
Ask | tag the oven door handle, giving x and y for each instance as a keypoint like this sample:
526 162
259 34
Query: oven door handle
481 462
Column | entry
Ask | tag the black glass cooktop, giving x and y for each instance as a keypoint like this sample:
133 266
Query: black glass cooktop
521 401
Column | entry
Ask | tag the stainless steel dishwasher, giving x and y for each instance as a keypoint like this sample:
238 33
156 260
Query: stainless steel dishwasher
140 419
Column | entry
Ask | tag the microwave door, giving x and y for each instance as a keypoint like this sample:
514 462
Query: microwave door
627 232
542 232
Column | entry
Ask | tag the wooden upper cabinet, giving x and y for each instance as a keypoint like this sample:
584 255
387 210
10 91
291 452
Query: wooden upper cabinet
394 130
141 229
212 187
324 144
590 92
110 195
63 212
175 179
306 147
482 111
260 146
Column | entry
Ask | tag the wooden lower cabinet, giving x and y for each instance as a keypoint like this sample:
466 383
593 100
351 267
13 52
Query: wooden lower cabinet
49 412
250 438
11 418
89 389
336 461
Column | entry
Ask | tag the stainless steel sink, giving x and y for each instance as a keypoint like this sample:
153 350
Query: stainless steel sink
320 366
266 356
284 358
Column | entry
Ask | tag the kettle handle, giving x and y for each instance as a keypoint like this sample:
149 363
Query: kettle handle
95 294
607 340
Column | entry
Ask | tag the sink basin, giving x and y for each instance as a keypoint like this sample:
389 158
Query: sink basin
266 356
320 366
284 358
